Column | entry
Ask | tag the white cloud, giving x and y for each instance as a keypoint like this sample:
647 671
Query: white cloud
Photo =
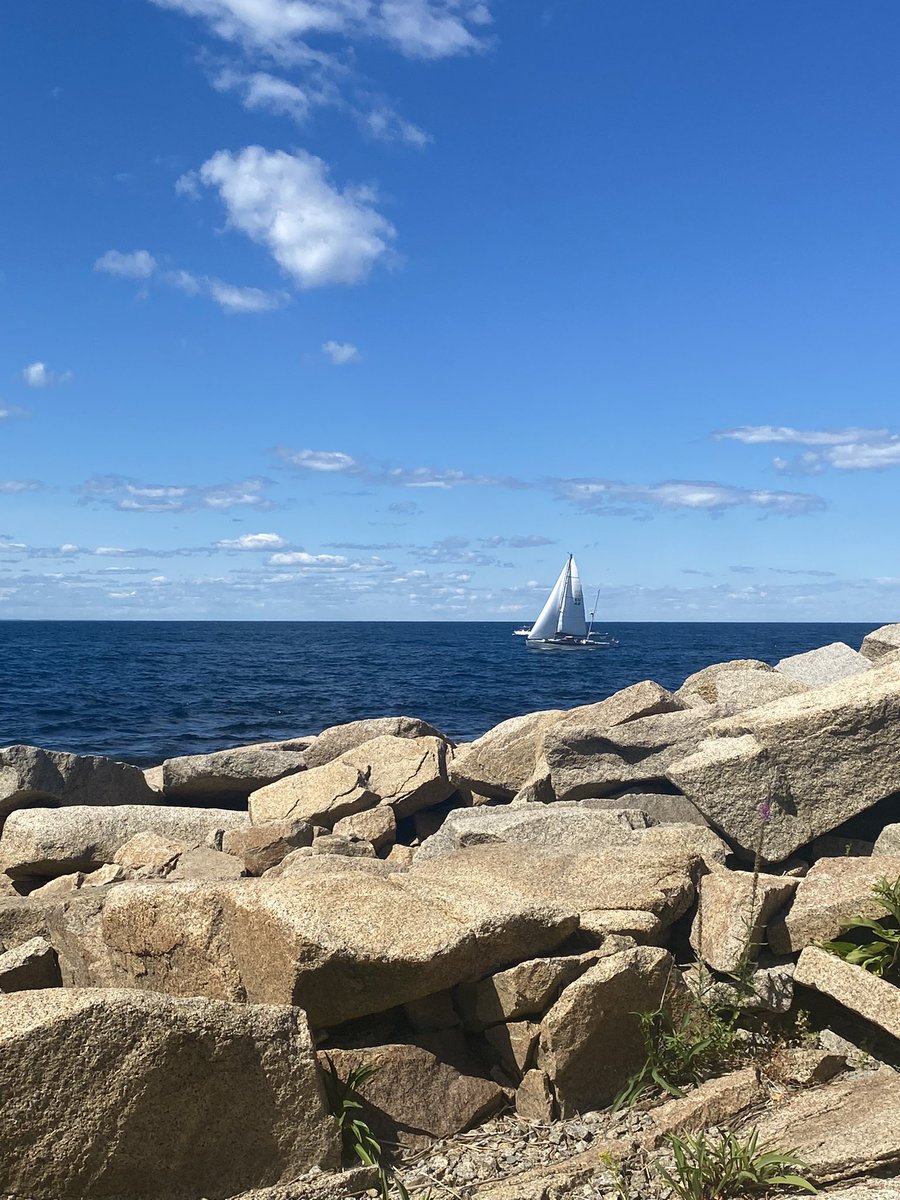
8 411
235 299
321 460
126 495
260 91
616 498
301 558
418 28
38 375
851 449
388 126
252 541
317 233
139 264
340 352
12 487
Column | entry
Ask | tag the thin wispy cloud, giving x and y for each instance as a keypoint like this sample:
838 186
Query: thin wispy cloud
39 375
318 233
283 28
617 498
851 449
13 487
230 297
336 461
129 495
252 541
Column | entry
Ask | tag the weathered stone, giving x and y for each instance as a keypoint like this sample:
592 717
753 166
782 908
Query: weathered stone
882 641
714 1102
846 1129
202 862
644 927
736 691
734 909
377 825
566 826
407 773
335 856
335 949
29 775
70 923
833 891
338 739
319 796
515 1045
59 886
232 773
420 1092
832 845
534 1098
661 808
432 1013
32 965
644 699
888 842
401 856
504 759
861 991
591 1039
810 762
827 664
150 853
704 683
104 876
154 778
54 841
804 1067
261 847
338 843
592 760
144 1095
321 1185
527 989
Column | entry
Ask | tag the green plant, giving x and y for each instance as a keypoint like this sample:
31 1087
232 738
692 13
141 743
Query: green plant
357 1139
679 1051
711 1166
873 943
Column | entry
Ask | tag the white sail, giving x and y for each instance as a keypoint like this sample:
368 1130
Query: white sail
571 614
547 624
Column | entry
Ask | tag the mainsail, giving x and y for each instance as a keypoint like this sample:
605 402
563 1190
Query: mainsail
564 611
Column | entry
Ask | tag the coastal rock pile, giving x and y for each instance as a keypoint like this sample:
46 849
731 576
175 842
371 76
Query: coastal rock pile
187 954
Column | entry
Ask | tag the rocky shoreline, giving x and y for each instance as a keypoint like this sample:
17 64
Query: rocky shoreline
194 957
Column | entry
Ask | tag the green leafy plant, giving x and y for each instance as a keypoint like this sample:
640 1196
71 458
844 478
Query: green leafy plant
873 942
710 1166
679 1052
357 1139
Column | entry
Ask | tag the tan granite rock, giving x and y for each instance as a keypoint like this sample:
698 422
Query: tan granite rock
734 909
833 891
502 761
527 989
150 853
703 684
32 965
861 991
407 773
331 743
145 1095
261 847
515 1045
826 664
880 642
29 776
319 796
232 773
534 1098
377 826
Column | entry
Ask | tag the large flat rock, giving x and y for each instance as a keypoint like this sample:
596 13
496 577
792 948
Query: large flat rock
114 1094
29 775
834 890
827 664
880 642
778 776
228 773
331 743
55 841
848 1128
501 762
319 796
874 999
406 773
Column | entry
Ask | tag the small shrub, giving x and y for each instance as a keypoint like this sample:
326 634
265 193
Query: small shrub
357 1139
680 1052
711 1166
873 943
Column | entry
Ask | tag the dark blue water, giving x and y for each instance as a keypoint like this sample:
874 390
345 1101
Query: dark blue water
143 691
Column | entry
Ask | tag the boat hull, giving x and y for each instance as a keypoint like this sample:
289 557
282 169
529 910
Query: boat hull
560 644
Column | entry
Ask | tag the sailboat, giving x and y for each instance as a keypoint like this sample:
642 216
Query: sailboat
561 624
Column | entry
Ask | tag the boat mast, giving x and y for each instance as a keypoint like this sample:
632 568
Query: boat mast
593 610
563 594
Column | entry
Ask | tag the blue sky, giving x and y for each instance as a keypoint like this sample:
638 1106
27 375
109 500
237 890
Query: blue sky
377 308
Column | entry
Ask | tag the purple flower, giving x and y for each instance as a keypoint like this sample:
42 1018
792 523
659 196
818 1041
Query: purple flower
765 811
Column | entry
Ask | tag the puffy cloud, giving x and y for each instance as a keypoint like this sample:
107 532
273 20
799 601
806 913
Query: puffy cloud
138 264
321 460
292 558
318 233
38 375
340 352
260 91
234 299
252 541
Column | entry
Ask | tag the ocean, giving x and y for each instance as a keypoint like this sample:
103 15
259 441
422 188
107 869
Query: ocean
142 691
